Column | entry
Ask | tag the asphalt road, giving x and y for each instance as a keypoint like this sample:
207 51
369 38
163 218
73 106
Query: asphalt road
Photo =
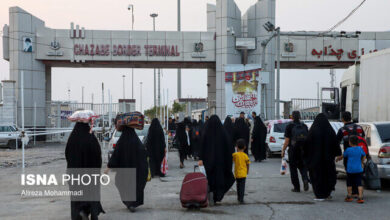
268 194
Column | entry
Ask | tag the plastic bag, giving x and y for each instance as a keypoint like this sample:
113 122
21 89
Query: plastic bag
84 116
202 170
283 166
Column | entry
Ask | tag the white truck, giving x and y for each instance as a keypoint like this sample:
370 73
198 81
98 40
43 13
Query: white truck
365 90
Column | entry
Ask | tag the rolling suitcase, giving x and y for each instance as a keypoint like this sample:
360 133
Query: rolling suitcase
193 193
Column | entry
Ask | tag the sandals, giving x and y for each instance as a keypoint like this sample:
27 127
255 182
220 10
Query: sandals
360 200
348 199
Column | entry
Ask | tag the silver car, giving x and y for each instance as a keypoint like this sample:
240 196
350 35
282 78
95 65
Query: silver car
115 136
8 136
378 141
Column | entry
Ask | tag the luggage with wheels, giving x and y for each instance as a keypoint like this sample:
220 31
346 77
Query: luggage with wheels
193 193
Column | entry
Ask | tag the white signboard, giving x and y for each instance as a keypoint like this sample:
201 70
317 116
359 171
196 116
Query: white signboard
245 43
242 89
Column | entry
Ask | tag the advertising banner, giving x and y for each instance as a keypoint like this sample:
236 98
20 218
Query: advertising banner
242 89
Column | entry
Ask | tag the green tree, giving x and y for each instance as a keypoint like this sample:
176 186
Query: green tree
176 107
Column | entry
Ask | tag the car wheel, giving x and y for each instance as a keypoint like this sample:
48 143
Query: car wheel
12 144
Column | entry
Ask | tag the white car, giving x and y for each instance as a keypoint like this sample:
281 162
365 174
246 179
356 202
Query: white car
378 141
116 135
275 135
8 136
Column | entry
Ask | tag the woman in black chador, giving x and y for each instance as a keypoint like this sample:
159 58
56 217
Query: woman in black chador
216 158
320 151
155 145
130 153
241 130
83 151
228 125
258 145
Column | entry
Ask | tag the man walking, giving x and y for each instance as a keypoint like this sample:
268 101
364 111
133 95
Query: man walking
295 135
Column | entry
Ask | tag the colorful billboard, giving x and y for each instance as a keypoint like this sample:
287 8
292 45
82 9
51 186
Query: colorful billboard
242 89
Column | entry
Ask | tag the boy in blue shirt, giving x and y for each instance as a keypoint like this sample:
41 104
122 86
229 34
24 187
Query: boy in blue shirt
355 156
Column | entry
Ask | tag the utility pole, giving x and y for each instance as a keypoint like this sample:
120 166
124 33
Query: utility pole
332 78
154 15
178 70
82 95
131 7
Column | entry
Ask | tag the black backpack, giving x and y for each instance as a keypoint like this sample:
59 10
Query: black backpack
298 134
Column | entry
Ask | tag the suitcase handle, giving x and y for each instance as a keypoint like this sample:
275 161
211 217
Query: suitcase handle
196 166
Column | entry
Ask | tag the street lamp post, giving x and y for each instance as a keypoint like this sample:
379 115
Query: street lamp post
154 15
131 7
178 70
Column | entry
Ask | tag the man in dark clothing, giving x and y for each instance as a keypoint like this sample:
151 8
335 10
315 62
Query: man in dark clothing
344 133
171 124
295 151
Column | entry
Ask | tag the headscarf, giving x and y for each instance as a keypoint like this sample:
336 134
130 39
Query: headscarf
155 145
321 144
83 149
216 157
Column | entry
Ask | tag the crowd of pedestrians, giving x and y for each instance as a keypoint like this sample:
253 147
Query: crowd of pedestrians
222 149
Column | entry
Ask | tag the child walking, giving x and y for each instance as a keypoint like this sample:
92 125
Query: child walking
241 168
355 157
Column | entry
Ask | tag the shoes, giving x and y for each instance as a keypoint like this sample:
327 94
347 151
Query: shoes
181 166
84 215
306 185
319 200
295 190
329 198
131 208
348 199
360 200
241 202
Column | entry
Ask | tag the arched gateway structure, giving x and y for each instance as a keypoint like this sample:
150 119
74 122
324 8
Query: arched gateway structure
33 48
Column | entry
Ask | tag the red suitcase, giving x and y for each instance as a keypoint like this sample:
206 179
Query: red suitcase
193 193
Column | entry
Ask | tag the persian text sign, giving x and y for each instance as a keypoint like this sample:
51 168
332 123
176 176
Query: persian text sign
242 89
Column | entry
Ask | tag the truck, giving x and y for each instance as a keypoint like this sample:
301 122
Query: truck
365 90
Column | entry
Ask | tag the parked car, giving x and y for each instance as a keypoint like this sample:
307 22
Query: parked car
378 141
275 135
115 136
8 136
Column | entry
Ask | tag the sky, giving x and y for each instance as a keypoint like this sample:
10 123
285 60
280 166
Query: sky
309 15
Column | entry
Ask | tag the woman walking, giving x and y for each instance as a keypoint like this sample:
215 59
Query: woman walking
258 145
320 151
83 151
216 158
129 153
155 146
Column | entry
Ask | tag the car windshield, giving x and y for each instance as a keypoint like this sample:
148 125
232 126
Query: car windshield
142 132
384 132
280 128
